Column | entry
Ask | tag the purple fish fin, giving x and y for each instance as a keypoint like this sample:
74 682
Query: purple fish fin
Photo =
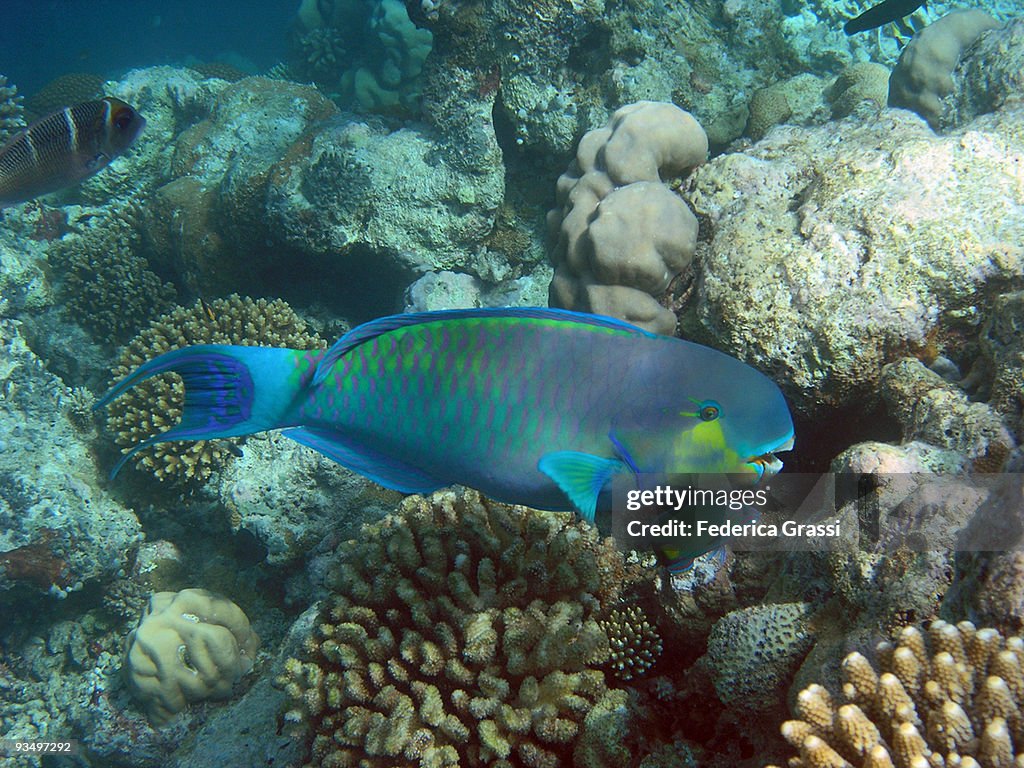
229 391
581 475
384 470
382 325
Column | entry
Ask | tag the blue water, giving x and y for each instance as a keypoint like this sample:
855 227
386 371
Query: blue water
42 39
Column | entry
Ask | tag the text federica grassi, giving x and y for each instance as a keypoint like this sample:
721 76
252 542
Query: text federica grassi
681 529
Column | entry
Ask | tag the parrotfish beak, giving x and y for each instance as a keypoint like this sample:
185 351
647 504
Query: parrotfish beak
767 464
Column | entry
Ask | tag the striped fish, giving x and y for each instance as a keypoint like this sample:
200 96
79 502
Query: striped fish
66 147
540 407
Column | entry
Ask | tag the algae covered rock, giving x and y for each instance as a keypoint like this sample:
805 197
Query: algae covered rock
358 187
833 249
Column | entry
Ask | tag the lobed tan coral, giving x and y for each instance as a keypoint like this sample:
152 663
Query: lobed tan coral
620 234
189 646
924 74
951 696
463 632
155 405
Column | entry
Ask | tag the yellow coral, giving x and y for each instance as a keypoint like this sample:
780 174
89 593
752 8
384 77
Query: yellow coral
951 697
155 405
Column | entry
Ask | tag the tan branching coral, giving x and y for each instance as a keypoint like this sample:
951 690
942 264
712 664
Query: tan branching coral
155 405
633 640
12 114
951 696
463 632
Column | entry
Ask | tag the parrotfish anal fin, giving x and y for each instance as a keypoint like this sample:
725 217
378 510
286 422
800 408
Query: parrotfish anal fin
389 472
382 325
581 476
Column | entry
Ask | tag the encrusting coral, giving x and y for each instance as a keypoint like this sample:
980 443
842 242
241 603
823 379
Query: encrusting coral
463 632
950 697
155 405
189 646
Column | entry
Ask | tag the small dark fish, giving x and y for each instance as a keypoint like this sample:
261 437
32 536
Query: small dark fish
207 310
883 13
66 147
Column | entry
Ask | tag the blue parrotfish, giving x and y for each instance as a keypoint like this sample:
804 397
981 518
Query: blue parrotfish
532 406
66 147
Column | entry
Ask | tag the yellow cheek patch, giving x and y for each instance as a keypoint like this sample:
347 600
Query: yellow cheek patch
703 449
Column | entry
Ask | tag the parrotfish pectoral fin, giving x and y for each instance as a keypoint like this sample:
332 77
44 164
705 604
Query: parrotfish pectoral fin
581 476
229 391
384 470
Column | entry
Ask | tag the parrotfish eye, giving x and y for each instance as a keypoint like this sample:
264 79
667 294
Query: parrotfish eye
709 411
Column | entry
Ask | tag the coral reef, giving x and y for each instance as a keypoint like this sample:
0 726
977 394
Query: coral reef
988 75
937 698
63 91
208 223
464 632
105 286
620 234
753 653
798 100
12 117
189 646
155 405
58 531
924 73
835 250
367 55
864 85
634 643
359 186
1002 344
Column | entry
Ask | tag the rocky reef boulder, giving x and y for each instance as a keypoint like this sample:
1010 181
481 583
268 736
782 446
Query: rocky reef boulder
397 194
834 250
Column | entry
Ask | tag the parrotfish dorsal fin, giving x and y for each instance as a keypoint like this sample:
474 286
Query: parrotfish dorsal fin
382 325
581 476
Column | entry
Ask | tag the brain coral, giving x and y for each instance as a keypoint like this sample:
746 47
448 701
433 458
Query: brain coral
952 697
189 646
106 286
753 652
155 405
463 632
620 234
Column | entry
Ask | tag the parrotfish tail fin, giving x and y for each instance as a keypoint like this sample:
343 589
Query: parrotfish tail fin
229 391
581 476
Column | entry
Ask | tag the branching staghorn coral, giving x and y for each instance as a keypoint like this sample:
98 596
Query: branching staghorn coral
12 114
950 697
463 632
155 405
